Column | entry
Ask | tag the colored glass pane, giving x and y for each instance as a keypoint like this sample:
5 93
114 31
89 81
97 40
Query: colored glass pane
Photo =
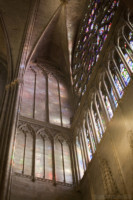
80 161
40 97
89 149
67 163
58 161
108 106
28 94
48 160
124 74
28 155
122 69
66 109
93 38
54 108
100 112
130 38
19 152
91 135
98 127
114 97
118 86
39 158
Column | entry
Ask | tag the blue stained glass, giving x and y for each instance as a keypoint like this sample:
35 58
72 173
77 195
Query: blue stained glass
129 61
114 4
89 21
87 29
99 127
79 158
89 149
118 86
108 106
84 38
131 44
92 26
92 13
124 74
92 141
130 38
105 36
101 30
114 98
109 26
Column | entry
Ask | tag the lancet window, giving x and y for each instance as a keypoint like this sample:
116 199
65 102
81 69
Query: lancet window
113 80
36 156
93 32
63 166
45 99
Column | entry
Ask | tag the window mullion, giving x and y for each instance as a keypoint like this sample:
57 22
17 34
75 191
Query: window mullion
60 103
103 103
99 116
24 153
44 157
108 94
112 82
34 100
47 100
63 164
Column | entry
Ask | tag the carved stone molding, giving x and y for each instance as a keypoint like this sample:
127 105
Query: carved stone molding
110 186
34 129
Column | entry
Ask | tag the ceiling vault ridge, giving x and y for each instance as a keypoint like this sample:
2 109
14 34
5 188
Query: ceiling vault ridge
54 17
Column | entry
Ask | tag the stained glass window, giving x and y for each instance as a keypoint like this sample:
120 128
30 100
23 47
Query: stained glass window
99 131
67 163
65 106
19 152
107 102
119 86
23 153
54 108
122 69
99 107
40 97
80 161
89 149
91 133
28 94
96 23
58 161
28 155
42 100
127 53
39 158
108 106
87 137
128 36
110 90
48 159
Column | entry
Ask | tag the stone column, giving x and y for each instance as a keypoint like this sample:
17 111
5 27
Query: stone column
7 122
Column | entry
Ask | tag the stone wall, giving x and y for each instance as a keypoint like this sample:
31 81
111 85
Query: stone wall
22 188
110 173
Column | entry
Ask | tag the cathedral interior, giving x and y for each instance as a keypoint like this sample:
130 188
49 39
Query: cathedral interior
66 100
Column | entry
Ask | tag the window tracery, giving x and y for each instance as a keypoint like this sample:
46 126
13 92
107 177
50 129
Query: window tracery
93 32
104 101
36 151
45 99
